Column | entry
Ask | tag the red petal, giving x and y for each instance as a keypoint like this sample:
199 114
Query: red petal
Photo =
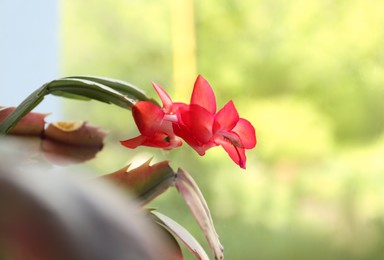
247 133
176 106
194 126
185 133
232 137
199 122
165 99
157 140
226 118
203 95
237 154
133 142
148 117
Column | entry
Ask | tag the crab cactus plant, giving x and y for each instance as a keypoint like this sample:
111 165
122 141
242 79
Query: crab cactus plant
165 126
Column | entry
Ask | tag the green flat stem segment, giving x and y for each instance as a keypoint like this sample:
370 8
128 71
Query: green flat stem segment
104 90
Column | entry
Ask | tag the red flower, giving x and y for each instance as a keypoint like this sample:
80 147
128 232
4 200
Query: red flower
198 124
202 128
154 123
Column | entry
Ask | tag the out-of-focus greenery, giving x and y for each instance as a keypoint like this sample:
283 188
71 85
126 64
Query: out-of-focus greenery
308 74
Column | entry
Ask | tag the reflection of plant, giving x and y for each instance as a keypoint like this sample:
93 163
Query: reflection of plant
196 123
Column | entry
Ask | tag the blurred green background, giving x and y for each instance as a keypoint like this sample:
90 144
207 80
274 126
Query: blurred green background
309 75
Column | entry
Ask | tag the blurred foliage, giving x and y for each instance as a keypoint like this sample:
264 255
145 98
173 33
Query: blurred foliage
328 52
308 74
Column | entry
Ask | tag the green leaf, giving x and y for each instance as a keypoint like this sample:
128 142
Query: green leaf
30 124
72 87
84 88
24 108
120 86
146 181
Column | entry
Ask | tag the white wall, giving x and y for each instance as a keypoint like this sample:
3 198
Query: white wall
29 50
